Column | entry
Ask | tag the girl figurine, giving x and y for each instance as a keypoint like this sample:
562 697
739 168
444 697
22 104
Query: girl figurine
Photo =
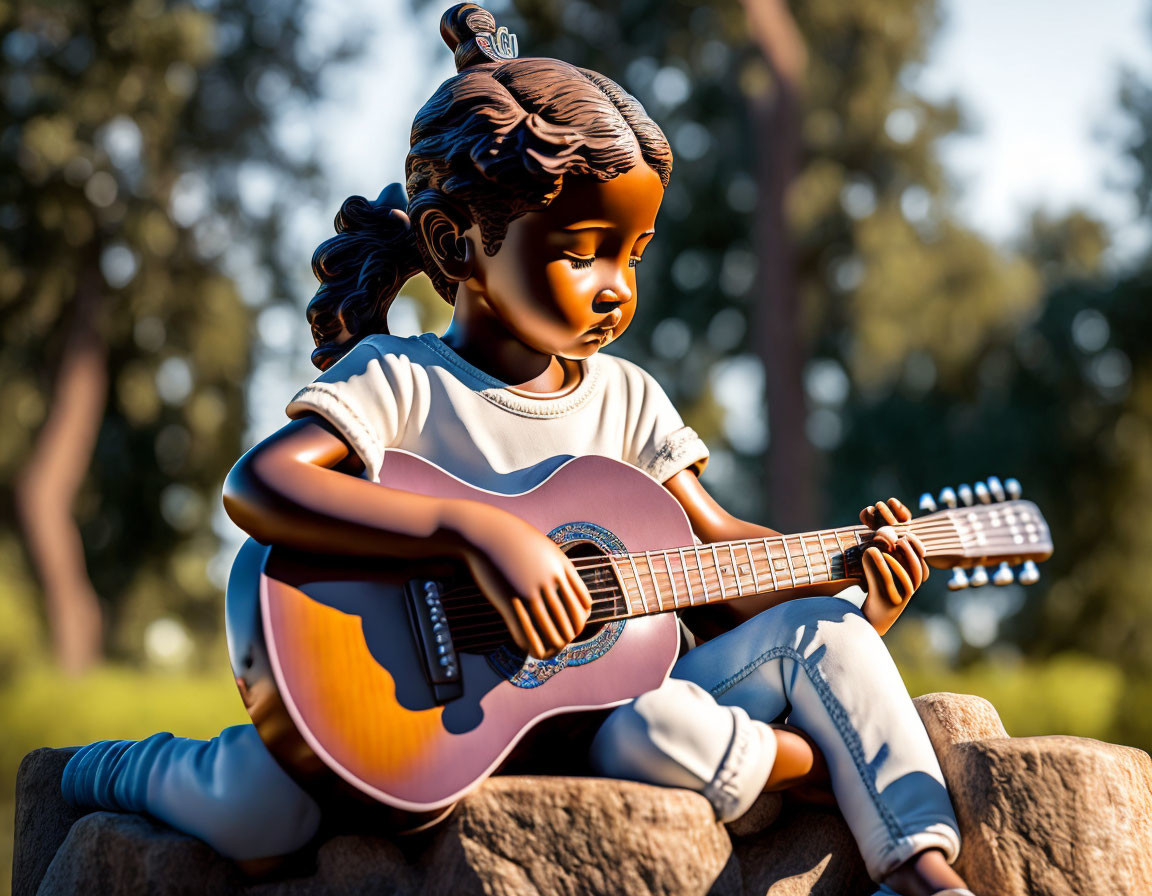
532 191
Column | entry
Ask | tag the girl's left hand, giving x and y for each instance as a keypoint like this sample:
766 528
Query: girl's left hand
894 565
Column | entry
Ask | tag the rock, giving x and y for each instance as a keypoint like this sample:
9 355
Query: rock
1044 816
1052 815
42 817
583 835
957 718
808 852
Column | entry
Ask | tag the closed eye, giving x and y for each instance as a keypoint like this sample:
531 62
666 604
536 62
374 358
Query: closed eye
581 261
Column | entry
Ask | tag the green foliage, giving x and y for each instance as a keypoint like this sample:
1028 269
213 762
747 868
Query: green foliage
1068 694
888 278
137 143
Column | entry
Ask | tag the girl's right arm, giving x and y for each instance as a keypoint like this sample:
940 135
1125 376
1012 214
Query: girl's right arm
287 491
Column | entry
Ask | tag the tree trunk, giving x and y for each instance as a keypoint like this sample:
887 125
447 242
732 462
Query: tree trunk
47 486
777 119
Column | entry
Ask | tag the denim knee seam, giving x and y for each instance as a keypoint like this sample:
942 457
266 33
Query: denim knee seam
839 717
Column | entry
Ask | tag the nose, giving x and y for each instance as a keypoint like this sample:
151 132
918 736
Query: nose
613 295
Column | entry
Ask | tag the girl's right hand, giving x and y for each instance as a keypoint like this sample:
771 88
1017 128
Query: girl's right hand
527 578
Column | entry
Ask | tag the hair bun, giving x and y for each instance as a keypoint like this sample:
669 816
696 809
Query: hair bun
471 34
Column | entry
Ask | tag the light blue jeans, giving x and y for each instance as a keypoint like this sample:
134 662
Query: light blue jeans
814 661
818 664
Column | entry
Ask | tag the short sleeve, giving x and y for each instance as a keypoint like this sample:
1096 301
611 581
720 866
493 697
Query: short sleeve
364 396
662 444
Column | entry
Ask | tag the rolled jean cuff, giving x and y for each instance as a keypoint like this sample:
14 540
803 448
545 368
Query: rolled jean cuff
745 768
937 836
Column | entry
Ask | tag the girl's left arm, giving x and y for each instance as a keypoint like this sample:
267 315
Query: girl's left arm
893 569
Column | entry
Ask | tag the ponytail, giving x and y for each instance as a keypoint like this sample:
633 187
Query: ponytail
361 269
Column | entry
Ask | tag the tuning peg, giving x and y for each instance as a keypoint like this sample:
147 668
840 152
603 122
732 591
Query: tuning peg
983 495
1003 575
927 504
997 489
959 579
1029 574
965 494
948 497
979 577
1012 486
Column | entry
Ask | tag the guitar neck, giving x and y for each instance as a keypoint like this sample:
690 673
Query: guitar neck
676 579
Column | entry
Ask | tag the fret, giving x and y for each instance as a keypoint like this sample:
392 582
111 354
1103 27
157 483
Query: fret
671 581
700 566
639 587
771 565
788 561
752 563
824 551
687 581
827 562
655 583
808 560
735 569
629 607
716 569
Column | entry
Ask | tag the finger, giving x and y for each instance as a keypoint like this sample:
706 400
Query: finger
885 512
885 538
900 580
921 551
883 577
906 554
579 588
559 614
532 644
545 625
902 513
577 612
870 563
868 517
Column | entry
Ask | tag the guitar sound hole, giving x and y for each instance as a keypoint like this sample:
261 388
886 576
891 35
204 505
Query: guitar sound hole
478 628
601 583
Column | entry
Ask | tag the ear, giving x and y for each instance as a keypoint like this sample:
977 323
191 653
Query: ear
443 233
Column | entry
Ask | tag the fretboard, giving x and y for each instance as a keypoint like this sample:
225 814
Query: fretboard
676 579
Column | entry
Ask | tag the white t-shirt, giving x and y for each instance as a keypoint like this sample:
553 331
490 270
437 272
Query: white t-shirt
417 394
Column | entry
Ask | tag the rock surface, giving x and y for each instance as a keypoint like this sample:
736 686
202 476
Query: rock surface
1044 816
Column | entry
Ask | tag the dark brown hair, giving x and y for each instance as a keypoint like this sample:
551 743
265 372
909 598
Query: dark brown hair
493 143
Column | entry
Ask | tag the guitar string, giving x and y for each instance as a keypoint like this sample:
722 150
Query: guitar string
462 594
595 564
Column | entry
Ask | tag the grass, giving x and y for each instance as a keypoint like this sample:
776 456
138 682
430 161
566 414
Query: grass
42 708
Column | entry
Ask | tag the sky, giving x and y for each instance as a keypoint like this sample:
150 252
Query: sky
1039 80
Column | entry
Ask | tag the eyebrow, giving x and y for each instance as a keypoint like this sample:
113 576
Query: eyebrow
598 225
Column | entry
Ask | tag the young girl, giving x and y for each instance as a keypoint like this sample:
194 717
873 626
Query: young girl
532 191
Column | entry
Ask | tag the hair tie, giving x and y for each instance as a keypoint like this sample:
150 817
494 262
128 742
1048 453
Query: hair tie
499 46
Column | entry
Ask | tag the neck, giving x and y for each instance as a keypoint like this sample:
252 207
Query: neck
658 581
478 336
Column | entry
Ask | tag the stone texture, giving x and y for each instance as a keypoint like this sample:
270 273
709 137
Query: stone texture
1044 816
1053 815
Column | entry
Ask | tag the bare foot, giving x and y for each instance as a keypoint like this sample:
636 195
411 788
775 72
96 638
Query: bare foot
924 874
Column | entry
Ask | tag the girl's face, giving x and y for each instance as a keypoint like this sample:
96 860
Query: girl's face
564 279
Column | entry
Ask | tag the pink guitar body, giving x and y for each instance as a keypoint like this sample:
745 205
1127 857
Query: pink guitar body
329 645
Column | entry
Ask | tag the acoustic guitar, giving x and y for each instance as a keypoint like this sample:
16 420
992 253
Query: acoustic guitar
400 683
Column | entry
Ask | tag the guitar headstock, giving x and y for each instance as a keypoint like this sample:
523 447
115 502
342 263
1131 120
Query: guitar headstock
981 526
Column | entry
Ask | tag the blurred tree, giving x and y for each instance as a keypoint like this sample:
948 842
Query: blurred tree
138 143
808 200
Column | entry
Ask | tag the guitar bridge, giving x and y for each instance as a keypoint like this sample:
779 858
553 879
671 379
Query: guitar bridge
434 639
